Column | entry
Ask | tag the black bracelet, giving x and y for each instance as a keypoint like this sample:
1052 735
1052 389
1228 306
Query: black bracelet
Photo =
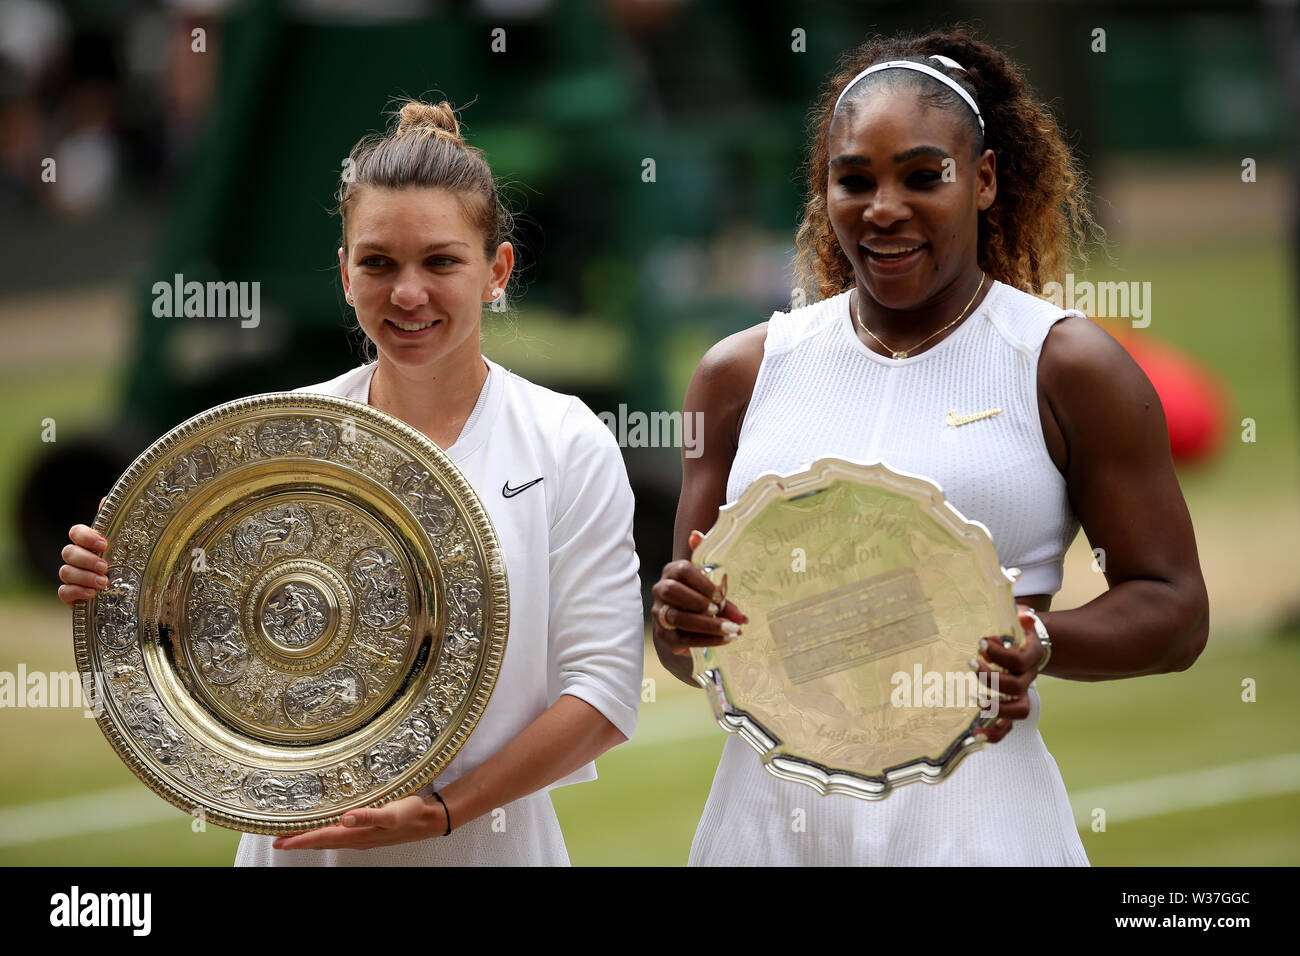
438 797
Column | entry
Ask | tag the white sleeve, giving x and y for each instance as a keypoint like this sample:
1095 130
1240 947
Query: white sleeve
596 624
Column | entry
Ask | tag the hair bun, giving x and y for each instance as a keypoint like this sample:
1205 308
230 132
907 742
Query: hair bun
429 119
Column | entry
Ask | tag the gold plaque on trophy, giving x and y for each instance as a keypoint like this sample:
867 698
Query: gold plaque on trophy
867 594
306 613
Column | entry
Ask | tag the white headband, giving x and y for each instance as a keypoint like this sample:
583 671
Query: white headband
920 68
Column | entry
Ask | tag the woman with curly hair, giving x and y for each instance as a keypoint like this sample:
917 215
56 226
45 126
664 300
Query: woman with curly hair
941 199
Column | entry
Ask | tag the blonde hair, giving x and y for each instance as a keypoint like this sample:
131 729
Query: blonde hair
424 148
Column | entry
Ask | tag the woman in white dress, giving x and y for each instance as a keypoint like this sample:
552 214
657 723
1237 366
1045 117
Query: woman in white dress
424 247
941 199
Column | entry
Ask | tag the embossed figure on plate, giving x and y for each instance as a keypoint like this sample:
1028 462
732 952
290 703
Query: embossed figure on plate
398 752
148 722
321 698
221 654
300 436
276 532
422 494
268 790
464 601
116 608
186 472
295 614
382 588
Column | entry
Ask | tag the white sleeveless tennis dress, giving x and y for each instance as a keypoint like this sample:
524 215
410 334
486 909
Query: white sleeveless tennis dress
820 391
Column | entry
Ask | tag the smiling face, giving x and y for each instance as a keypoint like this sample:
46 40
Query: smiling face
909 232
417 273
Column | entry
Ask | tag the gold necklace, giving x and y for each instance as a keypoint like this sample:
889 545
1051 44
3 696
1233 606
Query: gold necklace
903 354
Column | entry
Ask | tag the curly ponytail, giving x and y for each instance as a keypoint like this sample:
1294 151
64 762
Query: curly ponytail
1040 222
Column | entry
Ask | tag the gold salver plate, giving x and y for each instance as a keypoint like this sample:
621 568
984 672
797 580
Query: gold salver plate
867 594
306 613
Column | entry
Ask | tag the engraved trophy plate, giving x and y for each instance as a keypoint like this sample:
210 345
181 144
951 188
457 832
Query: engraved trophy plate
307 611
867 594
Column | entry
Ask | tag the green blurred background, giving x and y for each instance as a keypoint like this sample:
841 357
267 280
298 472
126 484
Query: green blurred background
222 165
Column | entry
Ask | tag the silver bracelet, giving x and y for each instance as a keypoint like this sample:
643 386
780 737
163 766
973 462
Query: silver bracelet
1043 638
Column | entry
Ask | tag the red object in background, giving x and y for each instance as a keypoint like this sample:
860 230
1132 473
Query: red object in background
1194 402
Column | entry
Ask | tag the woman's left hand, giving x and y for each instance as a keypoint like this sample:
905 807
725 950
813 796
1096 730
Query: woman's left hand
1016 669
402 821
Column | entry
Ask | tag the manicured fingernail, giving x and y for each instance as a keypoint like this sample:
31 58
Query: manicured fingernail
102 581
981 736
101 566
974 664
100 544
717 597
349 821
713 610
1006 640
730 628
984 644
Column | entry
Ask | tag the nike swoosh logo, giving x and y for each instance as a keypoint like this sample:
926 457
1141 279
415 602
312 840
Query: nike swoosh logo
953 420
511 492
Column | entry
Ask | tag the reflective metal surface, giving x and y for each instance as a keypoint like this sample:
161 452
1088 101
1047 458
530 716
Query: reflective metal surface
867 594
306 613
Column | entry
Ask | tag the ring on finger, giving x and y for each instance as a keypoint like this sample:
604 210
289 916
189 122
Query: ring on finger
663 618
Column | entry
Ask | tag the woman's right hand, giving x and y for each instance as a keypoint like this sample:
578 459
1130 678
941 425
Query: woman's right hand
83 571
689 610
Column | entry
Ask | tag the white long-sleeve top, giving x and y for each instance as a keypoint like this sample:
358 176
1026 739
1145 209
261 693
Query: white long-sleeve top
575 607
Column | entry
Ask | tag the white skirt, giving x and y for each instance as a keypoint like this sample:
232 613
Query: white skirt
1004 805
